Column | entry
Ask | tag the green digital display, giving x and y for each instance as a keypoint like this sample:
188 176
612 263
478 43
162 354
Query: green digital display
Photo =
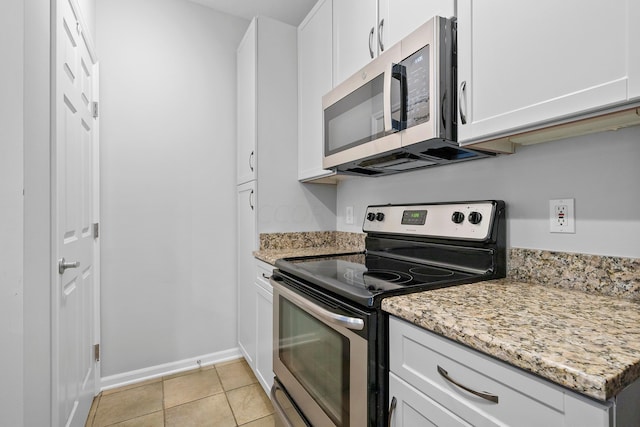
414 217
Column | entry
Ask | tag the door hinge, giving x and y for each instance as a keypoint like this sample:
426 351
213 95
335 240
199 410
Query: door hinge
96 352
96 230
94 109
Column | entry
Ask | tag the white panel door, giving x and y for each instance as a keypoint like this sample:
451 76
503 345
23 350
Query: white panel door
74 296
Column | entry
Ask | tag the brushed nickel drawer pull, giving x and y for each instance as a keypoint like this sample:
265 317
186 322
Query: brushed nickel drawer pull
463 116
490 397
371 42
392 408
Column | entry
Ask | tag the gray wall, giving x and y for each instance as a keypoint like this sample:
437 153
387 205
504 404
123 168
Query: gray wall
11 209
168 107
600 171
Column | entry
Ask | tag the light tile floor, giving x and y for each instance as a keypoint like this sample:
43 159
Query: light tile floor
227 394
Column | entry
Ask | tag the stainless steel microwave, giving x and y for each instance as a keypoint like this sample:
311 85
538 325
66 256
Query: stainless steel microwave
398 113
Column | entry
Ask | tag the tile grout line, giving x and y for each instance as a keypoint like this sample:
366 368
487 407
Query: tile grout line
164 410
226 397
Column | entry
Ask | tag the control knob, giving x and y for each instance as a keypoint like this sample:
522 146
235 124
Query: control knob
475 217
371 216
380 216
457 217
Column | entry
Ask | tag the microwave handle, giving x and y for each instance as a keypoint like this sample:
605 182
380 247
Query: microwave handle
399 72
386 100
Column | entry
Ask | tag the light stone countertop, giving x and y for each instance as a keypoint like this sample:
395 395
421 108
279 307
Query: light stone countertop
274 246
587 343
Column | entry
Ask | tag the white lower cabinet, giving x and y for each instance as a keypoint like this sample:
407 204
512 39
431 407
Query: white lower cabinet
264 326
413 408
247 243
419 361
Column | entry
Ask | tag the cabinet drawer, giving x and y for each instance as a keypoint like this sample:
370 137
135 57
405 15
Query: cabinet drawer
416 409
522 399
263 272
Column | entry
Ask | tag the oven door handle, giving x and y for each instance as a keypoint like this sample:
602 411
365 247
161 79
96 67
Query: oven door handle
326 315
278 407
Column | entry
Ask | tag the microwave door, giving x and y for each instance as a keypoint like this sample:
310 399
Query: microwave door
357 113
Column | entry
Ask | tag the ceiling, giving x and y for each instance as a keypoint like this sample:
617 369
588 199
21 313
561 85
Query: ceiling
290 11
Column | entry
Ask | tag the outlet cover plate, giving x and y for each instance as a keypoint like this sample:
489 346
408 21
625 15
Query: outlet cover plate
562 216
348 218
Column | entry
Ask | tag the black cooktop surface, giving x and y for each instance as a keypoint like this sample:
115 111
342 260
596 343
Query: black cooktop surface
367 278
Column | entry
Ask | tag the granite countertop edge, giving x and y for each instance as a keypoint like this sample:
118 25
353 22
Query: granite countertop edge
566 336
270 256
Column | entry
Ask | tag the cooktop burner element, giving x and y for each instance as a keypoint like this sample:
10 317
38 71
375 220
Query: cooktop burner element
412 248
430 272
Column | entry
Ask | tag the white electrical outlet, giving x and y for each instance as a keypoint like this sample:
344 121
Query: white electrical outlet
348 217
561 216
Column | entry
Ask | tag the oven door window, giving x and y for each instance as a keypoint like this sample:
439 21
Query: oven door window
318 357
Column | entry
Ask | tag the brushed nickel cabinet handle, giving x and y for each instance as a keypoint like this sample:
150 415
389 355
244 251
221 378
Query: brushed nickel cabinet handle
251 161
371 42
251 200
392 408
380 26
463 116
265 276
483 394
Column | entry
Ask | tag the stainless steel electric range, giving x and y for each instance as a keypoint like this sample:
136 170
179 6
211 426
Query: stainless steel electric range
330 335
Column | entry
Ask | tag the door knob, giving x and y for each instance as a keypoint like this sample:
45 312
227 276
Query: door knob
63 265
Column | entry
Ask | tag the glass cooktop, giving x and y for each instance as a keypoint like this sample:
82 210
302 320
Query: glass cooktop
366 279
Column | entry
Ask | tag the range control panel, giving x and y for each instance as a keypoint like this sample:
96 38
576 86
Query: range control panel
469 220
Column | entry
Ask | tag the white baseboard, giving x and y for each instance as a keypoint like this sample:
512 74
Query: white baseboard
132 377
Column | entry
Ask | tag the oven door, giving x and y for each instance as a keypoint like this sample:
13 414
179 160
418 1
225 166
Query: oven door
319 359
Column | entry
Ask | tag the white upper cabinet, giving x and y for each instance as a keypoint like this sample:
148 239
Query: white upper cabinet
314 80
400 17
355 31
362 29
633 49
246 89
526 64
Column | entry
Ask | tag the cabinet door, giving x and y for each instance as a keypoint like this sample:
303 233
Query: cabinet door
415 409
445 372
264 332
633 49
400 17
522 64
246 233
355 35
246 119
314 80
